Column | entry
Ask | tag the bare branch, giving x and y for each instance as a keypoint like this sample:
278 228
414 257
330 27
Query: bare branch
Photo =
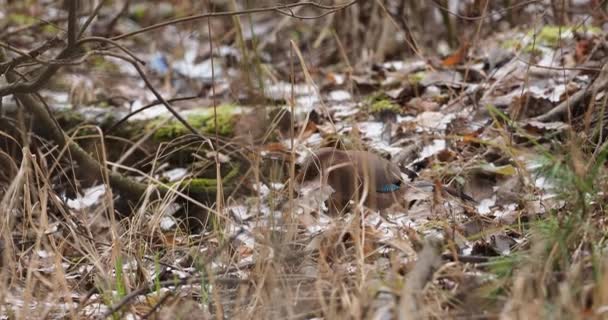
483 16
279 9
72 22
27 56
160 98
114 43
90 18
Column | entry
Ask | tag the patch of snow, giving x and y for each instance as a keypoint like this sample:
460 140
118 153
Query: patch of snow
262 189
371 129
484 205
340 95
175 174
344 110
149 113
306 102
282 90
200 70
240 212
167 223
339 79
430 150
433 121
91 196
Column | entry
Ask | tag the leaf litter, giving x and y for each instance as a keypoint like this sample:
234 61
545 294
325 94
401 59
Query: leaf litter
466 123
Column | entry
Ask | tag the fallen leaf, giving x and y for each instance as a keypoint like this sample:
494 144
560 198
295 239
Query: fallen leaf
457 57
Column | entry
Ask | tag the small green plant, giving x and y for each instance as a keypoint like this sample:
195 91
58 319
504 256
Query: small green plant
381 103
121 289
384 105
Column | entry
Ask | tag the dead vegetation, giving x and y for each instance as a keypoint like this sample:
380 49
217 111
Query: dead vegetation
151 153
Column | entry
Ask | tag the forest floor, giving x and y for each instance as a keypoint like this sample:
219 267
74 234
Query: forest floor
505 105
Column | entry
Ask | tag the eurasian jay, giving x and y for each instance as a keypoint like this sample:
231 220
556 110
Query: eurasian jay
355 175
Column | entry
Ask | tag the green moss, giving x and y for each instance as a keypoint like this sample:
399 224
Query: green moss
380 102
50 29
593 30
209 185
203 121
201 185
384 105
166 132
225 120
532 49
550 35
130 130
415 78
511 44
138 11
21 19
103 64
69 119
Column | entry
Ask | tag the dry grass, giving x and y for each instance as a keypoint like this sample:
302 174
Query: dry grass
60 262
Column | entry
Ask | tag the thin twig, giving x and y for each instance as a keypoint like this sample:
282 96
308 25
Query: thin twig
148 106
159 97
483 16
114 43
90 18
240 12
34 53
39 24
41 80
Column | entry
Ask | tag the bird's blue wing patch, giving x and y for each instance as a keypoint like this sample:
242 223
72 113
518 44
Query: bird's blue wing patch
392 187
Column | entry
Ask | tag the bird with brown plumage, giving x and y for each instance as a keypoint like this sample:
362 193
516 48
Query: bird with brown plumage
360 175
355 175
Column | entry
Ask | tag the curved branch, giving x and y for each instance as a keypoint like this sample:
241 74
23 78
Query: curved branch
278 8
36 84
129 188
148 106
160 98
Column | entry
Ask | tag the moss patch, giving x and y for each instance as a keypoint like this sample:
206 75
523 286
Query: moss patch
516 45
21 19
138 12
379 103
415 78
513 44
209 185
550 35
69 119
384 105
103 64
203 121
